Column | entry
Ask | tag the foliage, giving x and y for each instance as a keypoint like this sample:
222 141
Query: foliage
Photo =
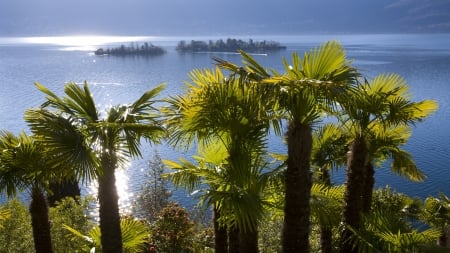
15 231
154 194
203 240
393 226
173 230
73 213
386 231
74 132
224 116
147 49
135 236
388 199
4 214
436 212
326 202
230 45
23 166
270 234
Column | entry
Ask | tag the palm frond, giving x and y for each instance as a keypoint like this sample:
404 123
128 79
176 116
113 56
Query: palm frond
4 215
403 164
135 235
186 174
22 163
80 101
328 62
68 145
326 202
330 146
385 231
143 105
436 212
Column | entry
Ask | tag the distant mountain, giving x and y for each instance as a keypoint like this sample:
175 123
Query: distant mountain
423 15
232 17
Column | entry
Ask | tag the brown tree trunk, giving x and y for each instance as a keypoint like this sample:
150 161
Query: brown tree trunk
111 235
368 188
442 240
40 222
233 240
220 234
248 241
326 240
356 165
298 184
326 235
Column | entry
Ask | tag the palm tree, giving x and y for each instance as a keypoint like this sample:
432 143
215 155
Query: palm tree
436 213
231 111
202 178
329 151
72 130
233 207
383 102
23 166
385 143
309 86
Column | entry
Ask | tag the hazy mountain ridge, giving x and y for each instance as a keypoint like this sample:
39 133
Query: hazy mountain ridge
52 17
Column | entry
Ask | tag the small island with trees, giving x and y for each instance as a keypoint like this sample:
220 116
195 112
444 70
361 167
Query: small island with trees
146 49
229 45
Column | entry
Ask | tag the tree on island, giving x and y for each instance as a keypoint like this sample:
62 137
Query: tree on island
147 49
230 45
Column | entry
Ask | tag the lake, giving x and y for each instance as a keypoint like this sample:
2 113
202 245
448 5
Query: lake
423 59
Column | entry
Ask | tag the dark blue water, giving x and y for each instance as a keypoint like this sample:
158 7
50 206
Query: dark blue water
424 60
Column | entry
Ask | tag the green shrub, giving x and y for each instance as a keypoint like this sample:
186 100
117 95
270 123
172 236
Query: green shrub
15 231
73 213
203 241
173 230
270 235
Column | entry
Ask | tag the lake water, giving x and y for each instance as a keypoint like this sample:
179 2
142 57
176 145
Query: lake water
424 60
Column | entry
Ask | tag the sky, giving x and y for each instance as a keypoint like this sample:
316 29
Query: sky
212 17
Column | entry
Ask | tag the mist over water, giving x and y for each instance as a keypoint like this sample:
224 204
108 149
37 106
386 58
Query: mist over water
424 60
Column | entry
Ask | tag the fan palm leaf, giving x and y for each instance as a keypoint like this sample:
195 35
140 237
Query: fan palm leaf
91 146
377 113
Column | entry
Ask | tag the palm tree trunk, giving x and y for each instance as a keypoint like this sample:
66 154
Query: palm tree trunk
248 241
233 240
326 235
298 184
368 188
356 165
220 234
326 240
442 240
111 235
40 221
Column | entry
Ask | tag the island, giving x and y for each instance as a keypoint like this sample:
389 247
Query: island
146 49
229 45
